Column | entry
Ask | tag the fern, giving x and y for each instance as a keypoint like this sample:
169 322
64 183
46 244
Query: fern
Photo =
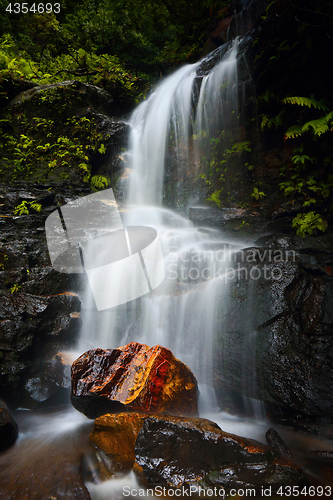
294 131
99 182
319 127
25 206
305 101
308 223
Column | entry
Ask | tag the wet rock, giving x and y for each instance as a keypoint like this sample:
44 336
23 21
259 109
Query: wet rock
275 441
174 452
233 219
8 427
115 436
282 353
38 318
134 377
33 328
248 16
51 385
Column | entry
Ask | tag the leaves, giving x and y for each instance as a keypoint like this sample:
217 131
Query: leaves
257 195
99 182
305 101
48 149
24 207
308 223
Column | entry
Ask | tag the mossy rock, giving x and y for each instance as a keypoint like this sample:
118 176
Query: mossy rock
62 100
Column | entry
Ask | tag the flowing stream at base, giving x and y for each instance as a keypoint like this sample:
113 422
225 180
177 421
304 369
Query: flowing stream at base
181 314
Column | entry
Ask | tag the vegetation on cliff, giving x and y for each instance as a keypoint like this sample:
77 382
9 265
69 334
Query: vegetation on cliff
284 147
283 151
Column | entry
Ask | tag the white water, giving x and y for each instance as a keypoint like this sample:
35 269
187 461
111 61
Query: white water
167 110
181 314
217 108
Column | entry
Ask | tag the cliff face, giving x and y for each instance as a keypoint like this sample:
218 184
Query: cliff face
39 308
275 341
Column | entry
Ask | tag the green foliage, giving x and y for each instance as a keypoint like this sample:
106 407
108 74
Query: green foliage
221 165
215 198
98 182
291 64
15 288
310 179
103 70
272 121
308 223
257 195
50 149
318 127
24 207
13 64
146 34
305 101
4 257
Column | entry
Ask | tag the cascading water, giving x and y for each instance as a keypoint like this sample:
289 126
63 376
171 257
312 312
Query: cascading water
181 314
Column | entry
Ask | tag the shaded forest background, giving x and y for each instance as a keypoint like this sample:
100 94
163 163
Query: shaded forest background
125 46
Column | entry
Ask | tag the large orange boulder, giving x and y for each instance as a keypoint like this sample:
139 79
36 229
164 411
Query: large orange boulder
133 377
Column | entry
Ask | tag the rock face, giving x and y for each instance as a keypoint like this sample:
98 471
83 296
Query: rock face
135 377
8 427
39 309
282 353
175 452
82 95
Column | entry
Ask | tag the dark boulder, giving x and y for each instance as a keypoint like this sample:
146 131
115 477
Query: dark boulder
8 427
134 377
175 452
275 441
51 384
39 100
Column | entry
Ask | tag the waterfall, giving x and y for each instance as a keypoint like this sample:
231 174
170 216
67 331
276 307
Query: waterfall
167 110
181 314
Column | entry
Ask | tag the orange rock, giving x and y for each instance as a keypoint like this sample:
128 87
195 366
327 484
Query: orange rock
141 378
115 435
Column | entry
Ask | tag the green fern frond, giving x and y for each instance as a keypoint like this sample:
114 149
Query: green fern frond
319 126
305 101
99 182
294 131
